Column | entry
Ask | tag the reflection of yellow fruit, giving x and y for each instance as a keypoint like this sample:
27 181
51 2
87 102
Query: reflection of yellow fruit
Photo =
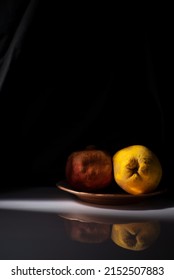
135 236
137 169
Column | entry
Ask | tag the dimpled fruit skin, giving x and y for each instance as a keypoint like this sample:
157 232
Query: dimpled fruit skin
135 236
137 170
89 170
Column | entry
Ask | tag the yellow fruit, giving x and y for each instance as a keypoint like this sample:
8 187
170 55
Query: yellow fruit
135 236
137 170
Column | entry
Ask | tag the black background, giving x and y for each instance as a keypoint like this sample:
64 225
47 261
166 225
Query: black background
76 76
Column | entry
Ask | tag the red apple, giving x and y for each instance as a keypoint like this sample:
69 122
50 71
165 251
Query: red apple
89 170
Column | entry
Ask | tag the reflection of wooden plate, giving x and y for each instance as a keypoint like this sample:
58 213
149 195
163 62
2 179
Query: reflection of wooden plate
100 219
84 218
108 198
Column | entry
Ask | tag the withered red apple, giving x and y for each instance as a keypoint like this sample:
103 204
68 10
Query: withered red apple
89 170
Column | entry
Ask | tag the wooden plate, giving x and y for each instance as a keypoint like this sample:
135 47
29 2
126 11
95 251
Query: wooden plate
105 198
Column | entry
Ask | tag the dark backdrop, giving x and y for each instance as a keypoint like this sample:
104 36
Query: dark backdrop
76 76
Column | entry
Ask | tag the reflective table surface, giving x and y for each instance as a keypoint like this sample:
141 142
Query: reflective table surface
48 223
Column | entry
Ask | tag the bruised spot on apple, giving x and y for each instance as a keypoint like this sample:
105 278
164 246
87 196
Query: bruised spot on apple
89 170
137 170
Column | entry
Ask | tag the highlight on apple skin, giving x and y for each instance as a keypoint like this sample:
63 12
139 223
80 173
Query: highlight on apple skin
137 170
89 170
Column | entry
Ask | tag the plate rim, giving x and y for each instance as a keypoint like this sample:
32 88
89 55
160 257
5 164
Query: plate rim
108 195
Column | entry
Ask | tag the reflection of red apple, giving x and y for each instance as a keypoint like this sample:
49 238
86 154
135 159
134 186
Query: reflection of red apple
135 236
89 170
87 232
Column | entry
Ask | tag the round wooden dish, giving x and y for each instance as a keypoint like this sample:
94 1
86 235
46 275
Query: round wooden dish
105 198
